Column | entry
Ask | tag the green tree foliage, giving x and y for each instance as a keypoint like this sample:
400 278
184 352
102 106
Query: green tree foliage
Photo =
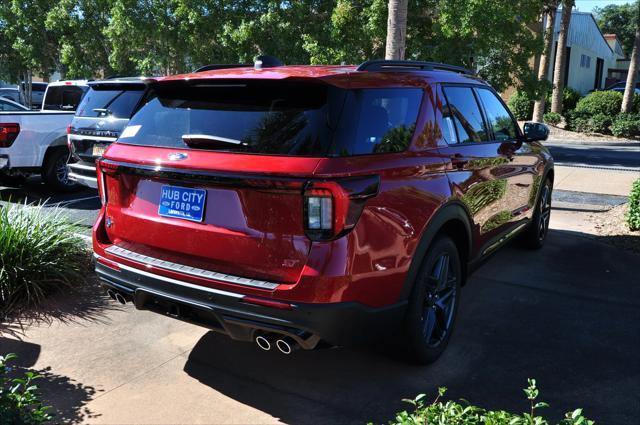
94 38
619 19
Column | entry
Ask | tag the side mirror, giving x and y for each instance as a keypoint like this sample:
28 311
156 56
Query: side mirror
534 131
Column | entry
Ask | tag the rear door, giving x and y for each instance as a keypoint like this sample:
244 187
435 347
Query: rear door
479 166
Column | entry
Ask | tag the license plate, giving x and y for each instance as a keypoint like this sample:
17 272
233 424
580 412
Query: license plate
98 150
182 202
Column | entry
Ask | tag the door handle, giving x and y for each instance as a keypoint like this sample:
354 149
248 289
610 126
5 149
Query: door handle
459 161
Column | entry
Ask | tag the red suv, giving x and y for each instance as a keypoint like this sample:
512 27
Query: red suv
302 205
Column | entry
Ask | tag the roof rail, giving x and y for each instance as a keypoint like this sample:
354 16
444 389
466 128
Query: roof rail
383 65
221 66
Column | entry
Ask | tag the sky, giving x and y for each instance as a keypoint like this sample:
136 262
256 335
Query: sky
589 5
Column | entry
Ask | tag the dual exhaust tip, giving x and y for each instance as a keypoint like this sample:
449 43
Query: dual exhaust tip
116 296
284 344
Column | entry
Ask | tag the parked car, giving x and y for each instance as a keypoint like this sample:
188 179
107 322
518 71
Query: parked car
103 113
620 87
304 204
10 105
37 93
11 93
35 142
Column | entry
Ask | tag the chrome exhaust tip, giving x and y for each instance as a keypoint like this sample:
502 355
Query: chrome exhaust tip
112 294
120 298
286 345
263 343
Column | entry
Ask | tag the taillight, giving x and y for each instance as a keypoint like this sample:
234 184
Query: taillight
102 169
8 134
332 208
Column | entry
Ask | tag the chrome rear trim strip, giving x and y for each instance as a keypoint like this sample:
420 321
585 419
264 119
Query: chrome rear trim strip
188 270
178 282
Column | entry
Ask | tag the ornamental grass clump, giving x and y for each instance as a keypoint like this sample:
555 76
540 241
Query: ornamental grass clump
39 254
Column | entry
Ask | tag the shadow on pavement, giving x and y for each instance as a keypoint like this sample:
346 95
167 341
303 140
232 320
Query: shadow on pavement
33 191
88 303
70 397
568 315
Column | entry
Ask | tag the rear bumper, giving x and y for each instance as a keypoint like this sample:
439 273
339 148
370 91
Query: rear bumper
84 172
345 324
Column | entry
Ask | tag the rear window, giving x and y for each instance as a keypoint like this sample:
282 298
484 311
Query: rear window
63 98
113 103
277 118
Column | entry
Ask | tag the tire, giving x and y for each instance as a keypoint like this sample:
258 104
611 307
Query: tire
55 172
536 234
434 301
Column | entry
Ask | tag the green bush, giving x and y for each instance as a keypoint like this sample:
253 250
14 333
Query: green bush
521 105
19 400
39 254
633 217
552 118
570 98
626 125
635 108
600 102
600 123
462 413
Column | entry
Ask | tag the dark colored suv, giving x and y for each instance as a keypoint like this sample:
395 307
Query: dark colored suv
301 205
103 113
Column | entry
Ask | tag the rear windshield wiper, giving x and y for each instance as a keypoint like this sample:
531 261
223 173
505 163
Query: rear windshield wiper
205 140
103 111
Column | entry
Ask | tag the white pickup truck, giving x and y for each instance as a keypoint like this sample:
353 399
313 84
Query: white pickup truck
35 142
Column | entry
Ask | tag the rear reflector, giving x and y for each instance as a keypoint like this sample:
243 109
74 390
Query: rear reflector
108 263
267 303
8 134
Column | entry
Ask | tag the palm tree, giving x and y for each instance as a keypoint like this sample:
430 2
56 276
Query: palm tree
561 57
549 12
629 90
396 29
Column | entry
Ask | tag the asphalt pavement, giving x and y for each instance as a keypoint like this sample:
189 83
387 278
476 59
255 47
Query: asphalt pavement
617 156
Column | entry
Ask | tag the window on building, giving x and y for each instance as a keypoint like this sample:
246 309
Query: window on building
585 61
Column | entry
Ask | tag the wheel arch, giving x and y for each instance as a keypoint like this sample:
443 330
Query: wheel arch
58 144
452 220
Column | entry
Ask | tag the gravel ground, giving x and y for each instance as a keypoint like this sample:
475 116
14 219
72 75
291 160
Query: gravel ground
612 227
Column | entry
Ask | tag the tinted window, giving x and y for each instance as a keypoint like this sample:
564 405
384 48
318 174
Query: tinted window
498 117
63 98
280 118
115 103
463 110
377 120
6 106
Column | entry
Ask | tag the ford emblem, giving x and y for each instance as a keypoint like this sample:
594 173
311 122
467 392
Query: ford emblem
178 156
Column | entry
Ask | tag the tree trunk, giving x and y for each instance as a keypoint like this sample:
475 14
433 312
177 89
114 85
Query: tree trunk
396 30
561 57
629 90
543 71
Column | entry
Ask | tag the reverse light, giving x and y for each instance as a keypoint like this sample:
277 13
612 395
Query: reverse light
332 208
8 134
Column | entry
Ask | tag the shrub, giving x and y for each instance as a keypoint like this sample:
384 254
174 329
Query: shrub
599 123
462 413
633 217
600 102
521 105
635 108
19 401
552 118
39 253
626 125
570 98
